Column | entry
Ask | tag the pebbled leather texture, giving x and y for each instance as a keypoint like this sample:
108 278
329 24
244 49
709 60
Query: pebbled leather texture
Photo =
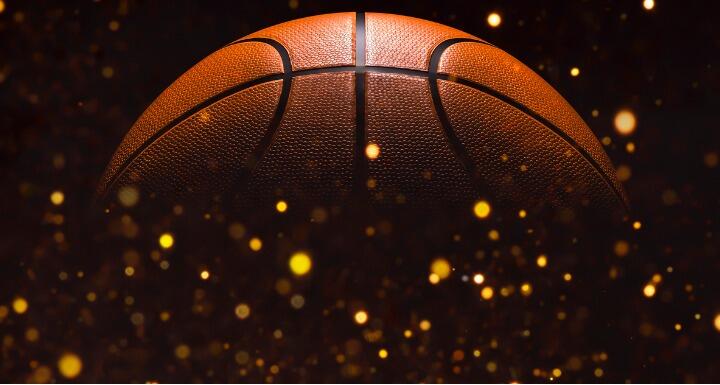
288 115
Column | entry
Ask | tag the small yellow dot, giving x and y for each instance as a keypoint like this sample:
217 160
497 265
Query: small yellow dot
649 290
678 327
567 277
2 6
361 316
433 278
625 122
242 311
20 305
57 197
372 151
541 260
487 293
383 353
166 240
556 372
300 263
478 279
649 4
716 322
441 268
182 351
494 19
70 365
493 235
522 214
204 275
574 72
599 372
281 206
526 289
482 209
425 325
637 225
129 271
408 333
255 244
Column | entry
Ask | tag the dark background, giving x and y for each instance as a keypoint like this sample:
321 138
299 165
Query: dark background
71 86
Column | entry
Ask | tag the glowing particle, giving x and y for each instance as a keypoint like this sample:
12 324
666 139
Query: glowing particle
637 225
478 279
622 248
182 351
69 365
487 293
630 147
425 325
567 277
408 333
434 278
255 244
20 305
494 20
166 240
491 366
113 25
293 4
649 290
32 334
541 260
300 263
716 322
598 372
711 159
678 327
204 275
522 214
656 279
625 122
493 235
556 372
526 289
108 72
574 72
361 316
383 353
129 271
57 197
281 206
242 311
649 4
372 151
477 353
297 301
2 6
482 209
128 196
441 268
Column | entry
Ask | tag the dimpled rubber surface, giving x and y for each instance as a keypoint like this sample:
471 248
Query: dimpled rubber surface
288 111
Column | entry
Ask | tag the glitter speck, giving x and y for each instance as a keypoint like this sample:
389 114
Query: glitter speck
204 275
482 209
281 206
255 244
649 290
242 311
541 260
69 365
487 293
300 263
20 305
478 278
166 240
574 72
494 19
425 325
372 151
361 317
441 268
649 4
57 197
383 353
625 122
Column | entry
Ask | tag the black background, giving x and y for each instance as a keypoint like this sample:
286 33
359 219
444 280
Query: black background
62 119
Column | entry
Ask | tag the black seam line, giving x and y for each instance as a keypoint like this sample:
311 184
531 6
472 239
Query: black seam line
270 133
460 151
361 165
455 144
546 123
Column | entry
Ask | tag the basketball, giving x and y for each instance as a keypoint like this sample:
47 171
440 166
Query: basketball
390 109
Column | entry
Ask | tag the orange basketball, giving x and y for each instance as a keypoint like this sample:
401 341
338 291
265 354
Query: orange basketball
396 109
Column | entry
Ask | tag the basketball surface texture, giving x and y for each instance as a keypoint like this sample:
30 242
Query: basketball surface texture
390 108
